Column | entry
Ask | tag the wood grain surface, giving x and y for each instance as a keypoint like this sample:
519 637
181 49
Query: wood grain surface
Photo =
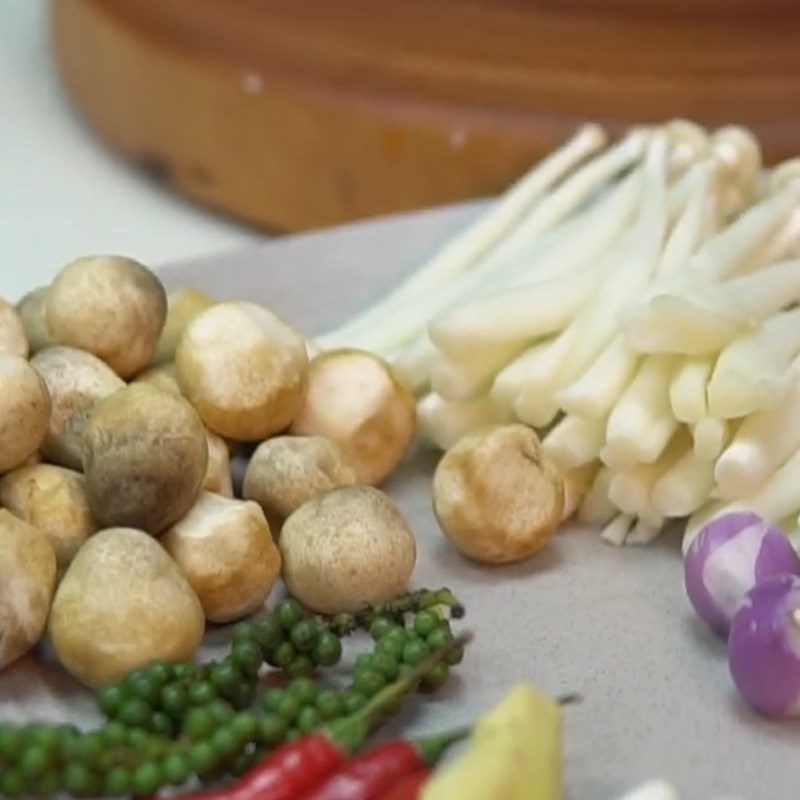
301 113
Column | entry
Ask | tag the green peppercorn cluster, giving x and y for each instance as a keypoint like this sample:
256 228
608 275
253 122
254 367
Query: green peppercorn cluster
168 722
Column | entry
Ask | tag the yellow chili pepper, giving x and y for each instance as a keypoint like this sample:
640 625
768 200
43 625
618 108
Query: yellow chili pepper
514 753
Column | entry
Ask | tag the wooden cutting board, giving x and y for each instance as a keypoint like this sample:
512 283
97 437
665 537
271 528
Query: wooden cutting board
301 113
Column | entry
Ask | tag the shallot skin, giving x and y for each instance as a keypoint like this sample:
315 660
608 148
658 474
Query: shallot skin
732 554
764 647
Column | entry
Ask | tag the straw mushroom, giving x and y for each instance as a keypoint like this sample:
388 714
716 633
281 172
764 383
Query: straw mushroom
243 369
24 411
123 603
111 306
12 332
355 399
218 477
163 377
53 500
76 380
287 471
183 305
226 552
345 549
32 310
145 456
27 579
497 497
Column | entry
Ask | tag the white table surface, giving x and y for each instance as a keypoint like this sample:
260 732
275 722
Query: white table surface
62 194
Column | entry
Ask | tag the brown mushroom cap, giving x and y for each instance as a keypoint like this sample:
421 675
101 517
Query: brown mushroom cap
355 399
24 411
111 306
497 497
145 456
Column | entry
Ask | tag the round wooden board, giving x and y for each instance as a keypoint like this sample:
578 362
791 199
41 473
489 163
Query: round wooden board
300 113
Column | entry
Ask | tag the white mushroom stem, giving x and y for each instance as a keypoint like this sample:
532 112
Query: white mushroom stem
413 363
509 382
445 423
596 325
710 436
630 489
687 391
616 531
684 487
596 508
596 392
576 484
569 195
752 372
468 378
642 423
691 226
644 532
467 249
763 442
575 441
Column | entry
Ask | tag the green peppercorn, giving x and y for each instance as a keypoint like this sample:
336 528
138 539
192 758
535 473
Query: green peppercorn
272 728
289 708
45 736
328 650
175 768
159 671
201 693
220 711
248 656
242 695
244 632
109 698
183 671
300 667
368 681
308 719
134 712
390 647
436 678
161 723
267 632
244 727
415 652
225 675
272 699
201 757
46 784
85 748
33 762
174 700
289 614
330 704
138 738
224 741
11 742
304 636
426 622
439 637
364 661
147 778
198 724
118 781
141 684
386 664
12 782
380 627
283 656
77 779
304 690
112 732
353 701
292 735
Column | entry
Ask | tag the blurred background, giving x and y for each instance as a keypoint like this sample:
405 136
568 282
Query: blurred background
127 120
64 194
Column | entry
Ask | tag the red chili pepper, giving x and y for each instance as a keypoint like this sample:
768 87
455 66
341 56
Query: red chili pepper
294 769
409 787
373 773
